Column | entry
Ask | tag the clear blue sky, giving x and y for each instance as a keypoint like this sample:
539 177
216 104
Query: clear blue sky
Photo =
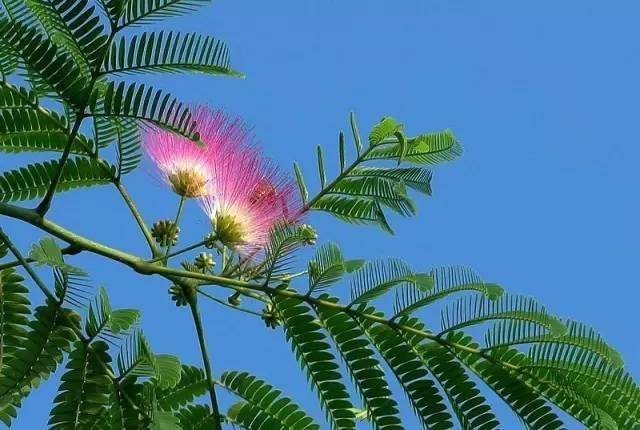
543 96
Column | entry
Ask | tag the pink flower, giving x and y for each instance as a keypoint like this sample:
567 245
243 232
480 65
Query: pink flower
248 195
182 163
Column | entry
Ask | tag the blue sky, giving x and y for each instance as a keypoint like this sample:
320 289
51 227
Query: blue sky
543 96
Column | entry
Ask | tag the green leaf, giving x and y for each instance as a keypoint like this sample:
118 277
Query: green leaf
125 135
360 360
308 341
43 58
387 192
432 148
353 210
341 150
99 315
49 335
142 103
376 278
356 134
165 421
263 401
301 185
514 332
284 240
422 393
326 268
464 396
138 12
26 126
416 178
17 10
167 370
33 180
171 52
48 253
123 319
447 281
85 388
192 384
196 417
321 171
383 130
470 311
525 391
14 314
75 26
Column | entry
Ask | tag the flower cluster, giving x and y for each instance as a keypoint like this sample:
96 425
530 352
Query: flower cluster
243 194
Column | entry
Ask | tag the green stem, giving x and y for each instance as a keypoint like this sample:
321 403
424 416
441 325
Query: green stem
180 251
197 320
223 303
45 204
175 223
338 178
136 215
145 268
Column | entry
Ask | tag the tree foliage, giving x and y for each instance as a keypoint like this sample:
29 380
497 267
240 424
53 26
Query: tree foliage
62 92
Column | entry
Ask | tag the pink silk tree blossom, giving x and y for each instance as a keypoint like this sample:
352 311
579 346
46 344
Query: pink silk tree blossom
248 195
182 163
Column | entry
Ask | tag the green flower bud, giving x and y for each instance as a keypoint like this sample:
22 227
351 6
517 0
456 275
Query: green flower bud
165 232
270 317
177 295
205 261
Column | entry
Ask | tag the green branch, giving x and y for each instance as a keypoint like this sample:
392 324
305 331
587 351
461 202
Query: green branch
182 276
211 386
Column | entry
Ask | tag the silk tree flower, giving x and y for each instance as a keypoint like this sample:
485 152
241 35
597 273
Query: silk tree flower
248 195
182 164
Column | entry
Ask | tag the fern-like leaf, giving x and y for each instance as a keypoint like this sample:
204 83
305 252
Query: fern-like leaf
470 407
43 58
433 148
33 181
192 384
142 103
470 311
364 368
279 412
169 53
14 314
75 26
196 417
50 334
138 12
447 281
423 394
85 389
312 351
376 278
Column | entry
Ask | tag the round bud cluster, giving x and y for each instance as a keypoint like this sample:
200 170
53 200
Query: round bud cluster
205 261
165 232
270 317
177 295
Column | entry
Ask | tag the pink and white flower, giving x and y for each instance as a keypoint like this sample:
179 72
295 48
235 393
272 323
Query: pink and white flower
248 195
182 163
